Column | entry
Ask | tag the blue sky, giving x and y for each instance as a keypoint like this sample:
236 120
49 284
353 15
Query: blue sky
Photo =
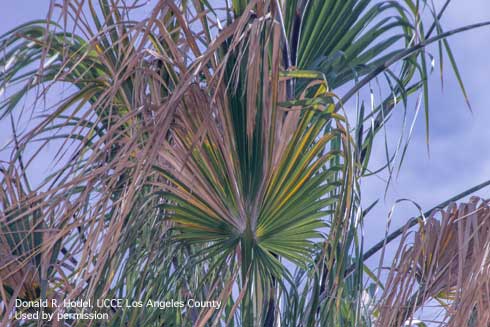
460 154
459 139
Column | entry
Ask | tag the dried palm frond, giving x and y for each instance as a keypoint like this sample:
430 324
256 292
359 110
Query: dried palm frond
448 262
18 243
20 279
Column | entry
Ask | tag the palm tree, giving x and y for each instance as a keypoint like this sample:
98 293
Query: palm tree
205 154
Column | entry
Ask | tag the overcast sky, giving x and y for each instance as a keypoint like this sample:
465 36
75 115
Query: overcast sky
460 156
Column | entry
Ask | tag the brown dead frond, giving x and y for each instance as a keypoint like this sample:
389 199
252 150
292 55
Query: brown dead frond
449 262
20 278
